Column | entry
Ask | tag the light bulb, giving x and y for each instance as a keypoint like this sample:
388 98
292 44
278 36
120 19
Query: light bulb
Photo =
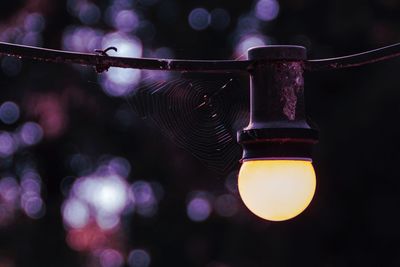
277 190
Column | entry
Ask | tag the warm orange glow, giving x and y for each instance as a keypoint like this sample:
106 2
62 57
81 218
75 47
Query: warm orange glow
277 190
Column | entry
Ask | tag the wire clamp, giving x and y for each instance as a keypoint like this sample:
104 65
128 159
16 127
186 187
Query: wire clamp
103 66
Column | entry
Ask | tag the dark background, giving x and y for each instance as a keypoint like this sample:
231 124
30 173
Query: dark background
354 218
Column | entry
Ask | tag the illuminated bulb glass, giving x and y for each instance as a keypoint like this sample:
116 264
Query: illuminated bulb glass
277 190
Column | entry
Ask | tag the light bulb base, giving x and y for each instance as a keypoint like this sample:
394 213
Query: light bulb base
277 143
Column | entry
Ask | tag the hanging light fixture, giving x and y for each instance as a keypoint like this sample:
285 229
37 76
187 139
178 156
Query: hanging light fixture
276 180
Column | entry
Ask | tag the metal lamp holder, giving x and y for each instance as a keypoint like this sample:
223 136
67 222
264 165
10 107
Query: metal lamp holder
278 126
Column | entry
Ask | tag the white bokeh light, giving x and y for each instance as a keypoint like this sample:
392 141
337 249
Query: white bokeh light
101 197
75 213
107 194
119 81
249 41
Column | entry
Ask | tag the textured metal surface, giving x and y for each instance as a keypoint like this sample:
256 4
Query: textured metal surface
276 95
277 125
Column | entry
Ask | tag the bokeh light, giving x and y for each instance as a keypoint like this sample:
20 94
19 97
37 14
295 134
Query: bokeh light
9 112
30 133
119 81
9 199
106 194
111 258
144 197
199 19
82 39
89 13
51 111
31 182
199 207
32 205
75 213
8 144
102 196
267 10
107 221
98 202
249 41
128 46
34 22
31 201
120 166
126 21
10 190
90 238
139 258
115 7
24 195
27 30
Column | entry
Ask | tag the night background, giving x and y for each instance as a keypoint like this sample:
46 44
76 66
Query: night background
86 181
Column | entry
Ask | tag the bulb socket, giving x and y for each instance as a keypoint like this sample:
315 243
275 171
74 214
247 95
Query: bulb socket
277 126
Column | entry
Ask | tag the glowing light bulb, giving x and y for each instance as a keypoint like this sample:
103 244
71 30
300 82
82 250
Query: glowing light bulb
277 190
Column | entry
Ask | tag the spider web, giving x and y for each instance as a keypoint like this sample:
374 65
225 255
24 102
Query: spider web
200 116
